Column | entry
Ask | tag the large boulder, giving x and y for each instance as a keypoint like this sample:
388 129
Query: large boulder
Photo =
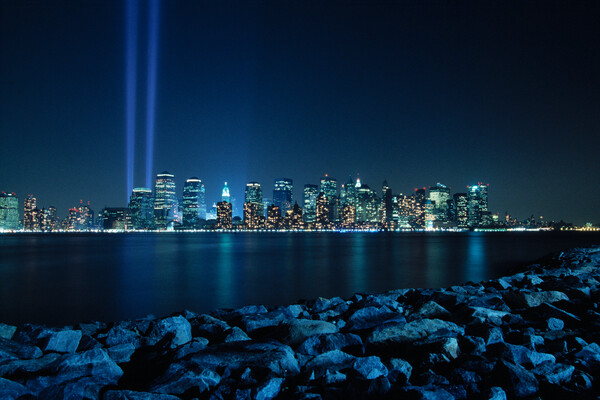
178 379
7 331
178 327
321 343
370 367
63 341
414 330
295 331
123 333
10 390
525 299
334 360
12 350
516 380
368 317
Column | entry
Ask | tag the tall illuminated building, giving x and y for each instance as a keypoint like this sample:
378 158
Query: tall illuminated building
419 208
274 220
439 195
254 194
387 209
294 217
478 204
348 215
50 219
9 211
29 213
224 215
116 218
193 203
282 194
165 200
328 187
367 207
225 196
461 210
141 206
253 206
309 195
322 214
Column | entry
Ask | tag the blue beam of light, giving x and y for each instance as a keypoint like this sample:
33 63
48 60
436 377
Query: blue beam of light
131 28
153 19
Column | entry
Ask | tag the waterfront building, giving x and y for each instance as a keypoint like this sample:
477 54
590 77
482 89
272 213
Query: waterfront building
9 211
224 215
461 210
266 203
50 221
29 213
282 194
274 220
329 187
85 215
193 203
294 218
348 215
310 194
419 208
322 212
141 206
165 200
439 195
478 205
225 195
387 209
116 218
253 194
367 208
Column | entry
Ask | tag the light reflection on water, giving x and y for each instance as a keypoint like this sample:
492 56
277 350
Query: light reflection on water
60 279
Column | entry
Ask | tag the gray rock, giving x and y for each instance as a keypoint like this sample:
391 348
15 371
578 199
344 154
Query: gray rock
95 362
334 360
295 331
471 344
82 388
497 393
369 317
121 353
252 322
123 333
10 390
7 331
196 345
415 330
323 304
177 326
431 310
10 350
554 373
515 379
590 354
64 341
275 356
178 379
236 335
488 315
429 393
370 367
518 354
525 299
132 395
555 324
270 389
91 328
30 366
400 370
321 343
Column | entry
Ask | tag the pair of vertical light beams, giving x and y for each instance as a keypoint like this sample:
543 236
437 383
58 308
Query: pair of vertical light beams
131 29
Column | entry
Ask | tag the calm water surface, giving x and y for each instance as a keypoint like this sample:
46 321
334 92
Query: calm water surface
66 278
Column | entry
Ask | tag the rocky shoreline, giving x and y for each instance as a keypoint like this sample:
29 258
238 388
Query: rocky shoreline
534 334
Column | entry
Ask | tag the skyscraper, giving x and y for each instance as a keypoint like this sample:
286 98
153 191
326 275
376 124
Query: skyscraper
225 196
165 200
224 215
439 195
322 214
310 194
274 220
478 204
141 205
29 213
419 208
461 210
253 206
194 203
116 218
282 194
387 211
9 211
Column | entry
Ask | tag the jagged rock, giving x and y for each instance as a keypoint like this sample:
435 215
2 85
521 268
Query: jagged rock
555 324
428 393
82 388
533 299
121 353
431 310
496 393
248 310
236 335
91 328
369 317
123 333
518 354
580 382
370 367
399 370
11 350
64 341
7 331
132 395
270 389
590 354
471 344
295 331
251 323
334 360
276 357
88 343
494 317
196 345
177 326
10 390
178 379
29 366
489 334
414 330
323 304
515 379
321 343
333 377
554 373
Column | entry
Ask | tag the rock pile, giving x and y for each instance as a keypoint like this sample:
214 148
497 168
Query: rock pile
533 334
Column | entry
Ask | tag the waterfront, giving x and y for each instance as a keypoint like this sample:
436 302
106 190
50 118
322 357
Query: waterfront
66 278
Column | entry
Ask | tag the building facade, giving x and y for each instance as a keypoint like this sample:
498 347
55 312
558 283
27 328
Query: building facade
165 200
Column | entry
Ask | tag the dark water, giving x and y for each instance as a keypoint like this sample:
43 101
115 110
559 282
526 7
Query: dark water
65 278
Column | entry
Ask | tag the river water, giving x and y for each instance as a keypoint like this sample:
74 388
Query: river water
65 278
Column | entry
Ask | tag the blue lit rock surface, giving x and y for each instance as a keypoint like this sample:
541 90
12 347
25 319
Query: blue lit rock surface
535 334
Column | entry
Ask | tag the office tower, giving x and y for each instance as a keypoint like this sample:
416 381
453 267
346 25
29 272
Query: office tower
225 196
116 218
273 217
266 203
294 217
461 210
193 203
322 212
387 209
50 220
367 206
282 194
419 208
439 195
348 215
310 194
224 215
478 205
29 213
141 206
9 211
165 200
85 221
253 206
328 187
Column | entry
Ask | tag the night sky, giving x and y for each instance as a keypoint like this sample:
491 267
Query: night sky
412 92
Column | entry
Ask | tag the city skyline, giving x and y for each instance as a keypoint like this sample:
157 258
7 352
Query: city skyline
412 92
